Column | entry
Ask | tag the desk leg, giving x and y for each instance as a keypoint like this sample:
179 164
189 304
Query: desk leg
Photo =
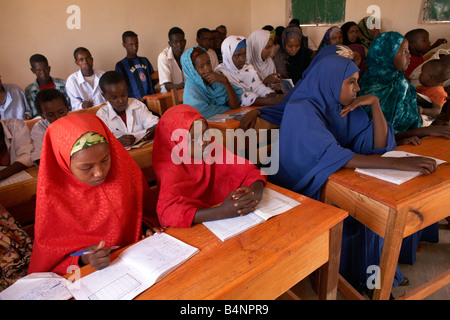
328 273
393 238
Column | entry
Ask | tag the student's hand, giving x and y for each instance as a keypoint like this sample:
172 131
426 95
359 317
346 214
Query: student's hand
366 100
151 231
150 133
415 140
87 104
439 42
127 140
421 164
273 78
100 258
212 77
438 131
249 119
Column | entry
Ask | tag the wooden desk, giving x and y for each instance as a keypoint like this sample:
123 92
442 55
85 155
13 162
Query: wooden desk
395 211
261 263
160 102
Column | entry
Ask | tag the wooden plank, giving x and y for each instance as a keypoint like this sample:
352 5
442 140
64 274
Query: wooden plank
427 288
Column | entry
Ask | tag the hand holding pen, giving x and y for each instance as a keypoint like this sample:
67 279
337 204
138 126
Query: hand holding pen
97 256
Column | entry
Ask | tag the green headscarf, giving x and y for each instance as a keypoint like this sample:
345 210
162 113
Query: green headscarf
86 140
398 98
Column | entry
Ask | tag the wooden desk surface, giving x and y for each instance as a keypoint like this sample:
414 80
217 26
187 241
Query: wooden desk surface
232 123
419 195
396 211
261 263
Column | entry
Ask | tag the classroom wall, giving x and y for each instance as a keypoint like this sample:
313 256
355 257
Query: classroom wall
30 26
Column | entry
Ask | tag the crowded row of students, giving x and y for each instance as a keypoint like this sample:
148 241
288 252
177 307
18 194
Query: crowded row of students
322 129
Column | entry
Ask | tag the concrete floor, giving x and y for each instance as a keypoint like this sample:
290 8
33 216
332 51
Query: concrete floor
432 259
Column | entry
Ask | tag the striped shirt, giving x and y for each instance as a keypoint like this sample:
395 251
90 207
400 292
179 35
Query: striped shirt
137 73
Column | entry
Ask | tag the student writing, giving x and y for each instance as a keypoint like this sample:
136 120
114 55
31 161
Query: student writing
109 199
128 119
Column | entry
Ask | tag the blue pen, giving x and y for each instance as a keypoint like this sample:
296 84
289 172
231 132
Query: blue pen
80 99
83 252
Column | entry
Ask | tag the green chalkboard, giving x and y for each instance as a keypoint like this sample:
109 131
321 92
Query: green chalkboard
318 11
436 11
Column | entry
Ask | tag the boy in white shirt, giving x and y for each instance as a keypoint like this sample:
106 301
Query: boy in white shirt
51 104
170 72
127 118
82 86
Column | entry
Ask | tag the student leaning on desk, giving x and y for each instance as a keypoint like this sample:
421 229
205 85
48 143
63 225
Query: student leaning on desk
107 205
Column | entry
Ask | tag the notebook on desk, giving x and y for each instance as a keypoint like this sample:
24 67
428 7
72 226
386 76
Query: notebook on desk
15 178
136 269
391 175
272 203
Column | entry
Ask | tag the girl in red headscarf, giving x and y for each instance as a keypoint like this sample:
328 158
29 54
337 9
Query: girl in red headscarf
90 195
199 181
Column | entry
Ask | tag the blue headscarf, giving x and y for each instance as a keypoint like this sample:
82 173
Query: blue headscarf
208 100
274 113
398 98
315 141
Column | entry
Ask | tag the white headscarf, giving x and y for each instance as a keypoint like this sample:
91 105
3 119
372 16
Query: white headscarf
256 42
246 78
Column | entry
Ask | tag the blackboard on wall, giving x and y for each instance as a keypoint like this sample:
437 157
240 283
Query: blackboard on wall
319 12
436 11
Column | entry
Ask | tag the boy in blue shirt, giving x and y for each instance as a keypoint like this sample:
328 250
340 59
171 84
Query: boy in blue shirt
136 70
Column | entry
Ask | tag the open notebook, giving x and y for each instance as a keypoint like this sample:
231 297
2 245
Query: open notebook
136 269
272 203
392 175
15 178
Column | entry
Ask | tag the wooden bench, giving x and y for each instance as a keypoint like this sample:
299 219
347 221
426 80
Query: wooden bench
160 102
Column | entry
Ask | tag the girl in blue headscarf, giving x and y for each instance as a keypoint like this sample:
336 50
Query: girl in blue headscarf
322 130
207 91
387 61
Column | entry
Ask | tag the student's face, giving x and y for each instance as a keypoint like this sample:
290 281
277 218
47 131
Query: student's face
202 64
86 63
352 34
91 165
293 46
337 38
131 44
357 58
402 57
205 40
177 42
53 110
239 58
223 32
266 52
349 89
216 40
199 141
41 70
117 96
422 44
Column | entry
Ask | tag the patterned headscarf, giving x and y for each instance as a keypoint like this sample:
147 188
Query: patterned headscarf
364 32
398 98
330 33
86 140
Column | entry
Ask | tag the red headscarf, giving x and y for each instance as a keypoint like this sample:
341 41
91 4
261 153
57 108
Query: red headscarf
71 215
184 188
